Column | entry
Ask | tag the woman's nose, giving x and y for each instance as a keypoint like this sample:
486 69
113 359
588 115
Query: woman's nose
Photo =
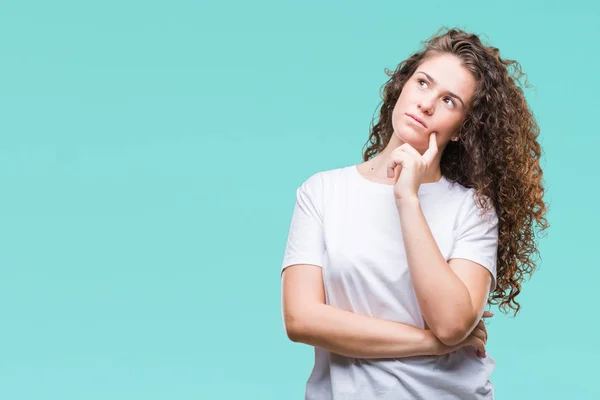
426 105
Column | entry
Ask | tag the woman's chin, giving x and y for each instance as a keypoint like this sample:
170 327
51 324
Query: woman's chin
415 140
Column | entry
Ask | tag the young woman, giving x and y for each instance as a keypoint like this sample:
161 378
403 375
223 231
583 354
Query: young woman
389 264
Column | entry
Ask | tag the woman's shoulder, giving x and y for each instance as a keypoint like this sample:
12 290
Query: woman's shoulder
321 179
467 201
460 192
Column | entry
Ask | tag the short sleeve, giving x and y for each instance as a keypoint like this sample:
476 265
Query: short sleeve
476 235
305 242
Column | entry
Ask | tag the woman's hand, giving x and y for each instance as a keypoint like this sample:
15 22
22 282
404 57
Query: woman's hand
477 339
414 166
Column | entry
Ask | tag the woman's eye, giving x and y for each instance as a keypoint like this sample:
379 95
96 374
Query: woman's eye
451 101
421 81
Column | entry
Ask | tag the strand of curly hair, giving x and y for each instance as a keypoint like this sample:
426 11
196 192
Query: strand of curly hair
497 153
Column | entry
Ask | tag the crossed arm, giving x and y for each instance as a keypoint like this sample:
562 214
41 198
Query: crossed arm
309 320
452 297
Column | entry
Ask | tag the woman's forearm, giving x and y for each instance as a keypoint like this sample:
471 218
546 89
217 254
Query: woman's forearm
354 335
443 298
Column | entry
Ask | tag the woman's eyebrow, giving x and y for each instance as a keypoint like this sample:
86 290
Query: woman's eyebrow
449 92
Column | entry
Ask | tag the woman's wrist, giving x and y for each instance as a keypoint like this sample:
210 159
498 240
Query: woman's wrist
433 345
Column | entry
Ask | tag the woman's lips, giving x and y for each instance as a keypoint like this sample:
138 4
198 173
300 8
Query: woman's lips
412 117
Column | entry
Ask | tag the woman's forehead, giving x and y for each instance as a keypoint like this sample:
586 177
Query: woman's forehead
447 72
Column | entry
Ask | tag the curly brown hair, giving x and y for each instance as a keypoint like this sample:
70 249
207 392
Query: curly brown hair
497 153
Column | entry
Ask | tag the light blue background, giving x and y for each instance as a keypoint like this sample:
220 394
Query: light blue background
149 156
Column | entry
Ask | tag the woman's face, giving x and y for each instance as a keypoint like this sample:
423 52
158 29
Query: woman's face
438 94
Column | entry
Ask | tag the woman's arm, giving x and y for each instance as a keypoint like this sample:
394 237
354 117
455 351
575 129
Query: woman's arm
309 320
452 295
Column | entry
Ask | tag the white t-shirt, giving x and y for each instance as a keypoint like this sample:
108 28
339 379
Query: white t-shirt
350 227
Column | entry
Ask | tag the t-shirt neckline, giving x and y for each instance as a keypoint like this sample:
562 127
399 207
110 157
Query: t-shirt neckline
388 188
